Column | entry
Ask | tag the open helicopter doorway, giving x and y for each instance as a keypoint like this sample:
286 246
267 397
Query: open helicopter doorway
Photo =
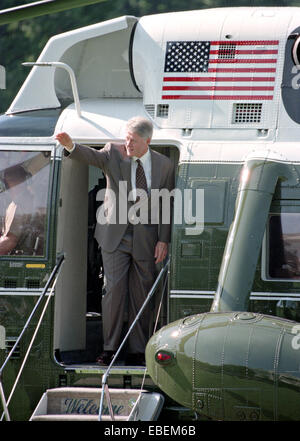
78 315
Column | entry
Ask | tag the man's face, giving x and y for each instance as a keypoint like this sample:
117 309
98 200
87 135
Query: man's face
135 144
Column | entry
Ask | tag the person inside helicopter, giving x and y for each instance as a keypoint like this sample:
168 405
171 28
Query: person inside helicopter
18 211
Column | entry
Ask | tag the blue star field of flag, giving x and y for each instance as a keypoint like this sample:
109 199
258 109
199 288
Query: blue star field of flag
187 56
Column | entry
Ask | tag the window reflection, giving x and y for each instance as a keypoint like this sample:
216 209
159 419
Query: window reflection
24 183
284 246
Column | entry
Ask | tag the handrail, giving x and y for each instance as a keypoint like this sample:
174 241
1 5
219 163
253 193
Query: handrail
71 75
29 347
107 372
52 275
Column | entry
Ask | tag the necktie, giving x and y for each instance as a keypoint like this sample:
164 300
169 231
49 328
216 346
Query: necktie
140 179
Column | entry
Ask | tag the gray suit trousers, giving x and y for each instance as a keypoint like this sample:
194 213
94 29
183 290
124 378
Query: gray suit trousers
127 283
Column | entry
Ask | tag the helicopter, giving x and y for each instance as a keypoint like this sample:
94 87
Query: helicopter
221 87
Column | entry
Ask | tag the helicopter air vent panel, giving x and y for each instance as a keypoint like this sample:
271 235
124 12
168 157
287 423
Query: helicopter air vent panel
32 283
163 110
247 113
10 283
227 51
9 344
150 109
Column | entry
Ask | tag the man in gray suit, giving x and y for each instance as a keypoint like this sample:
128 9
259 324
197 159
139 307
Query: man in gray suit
131 230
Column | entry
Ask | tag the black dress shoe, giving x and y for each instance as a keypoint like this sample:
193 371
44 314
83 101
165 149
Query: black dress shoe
105 358
135 360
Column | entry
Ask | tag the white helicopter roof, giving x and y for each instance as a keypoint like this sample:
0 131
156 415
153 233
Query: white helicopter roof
224 73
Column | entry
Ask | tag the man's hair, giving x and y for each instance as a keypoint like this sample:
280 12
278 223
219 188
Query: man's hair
142 126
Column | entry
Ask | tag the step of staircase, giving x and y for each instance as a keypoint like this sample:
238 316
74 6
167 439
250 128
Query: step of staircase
82 404
76 418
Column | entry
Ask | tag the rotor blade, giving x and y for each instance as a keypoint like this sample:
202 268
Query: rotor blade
39 8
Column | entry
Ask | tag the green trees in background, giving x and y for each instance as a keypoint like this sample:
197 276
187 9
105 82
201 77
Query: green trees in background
24 40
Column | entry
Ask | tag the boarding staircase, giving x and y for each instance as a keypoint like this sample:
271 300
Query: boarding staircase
82 404
102 404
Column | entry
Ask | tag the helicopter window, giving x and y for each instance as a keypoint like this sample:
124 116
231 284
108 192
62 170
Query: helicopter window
24 182
284 246
296 52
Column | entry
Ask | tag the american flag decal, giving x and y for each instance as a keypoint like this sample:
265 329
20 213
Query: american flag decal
220 70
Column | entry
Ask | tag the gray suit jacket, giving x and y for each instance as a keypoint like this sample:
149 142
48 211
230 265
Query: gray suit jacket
112 159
